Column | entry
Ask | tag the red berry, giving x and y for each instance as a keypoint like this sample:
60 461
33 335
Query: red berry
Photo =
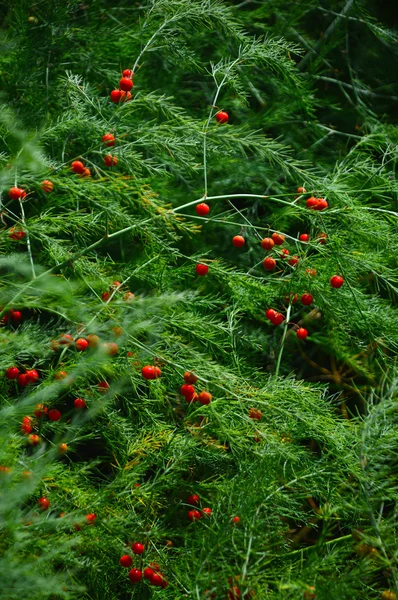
93 340
79 403
321 204
60 375
148 573
110 161
128 296
34 439
105 296
291 299
304 237
301 190
238 241
12 372
267 243
125 84
233 593
190 377
188 391
16 193
156 579
40 410
128 73
270 313
301 333
32 375
148 372
66 339
16 234
62 448
26 426
311 272
293 261
255 414
116 95
158 372
47 186
125 96
116 285
269 263
78 167
194 515
205 398
86 173
193 499
81 344
277 319
222 117
207 511
285 252
54 414
201 269
202 209
108 139
236 519
310 594
135 575
16 315
22 380
91 517
138 548
306 299
278 239
322 237
111 348
126 560
311 202
103 386
336 281
44 503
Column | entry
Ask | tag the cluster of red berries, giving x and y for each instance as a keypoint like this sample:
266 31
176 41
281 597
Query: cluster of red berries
78 167
276 239
15 316
189 392
123 94
115 287
149 372
196 514
152 573
23 379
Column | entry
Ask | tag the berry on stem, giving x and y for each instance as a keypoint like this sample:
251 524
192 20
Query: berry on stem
135 575
47 186
81 344
277 319
205 398
148 573
202 209
128 73
267 243
336 281
108 139
110 161
222 117
79 403
16 234
44 503
236 520
34 439
278 239
125 84
306 299
16 193
301 333
188 391
304 237
78 167
238 241
149 372
138 548
193 499
194 515
201 269
126 560
54 414
12 373
270 313
190 377
269 263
